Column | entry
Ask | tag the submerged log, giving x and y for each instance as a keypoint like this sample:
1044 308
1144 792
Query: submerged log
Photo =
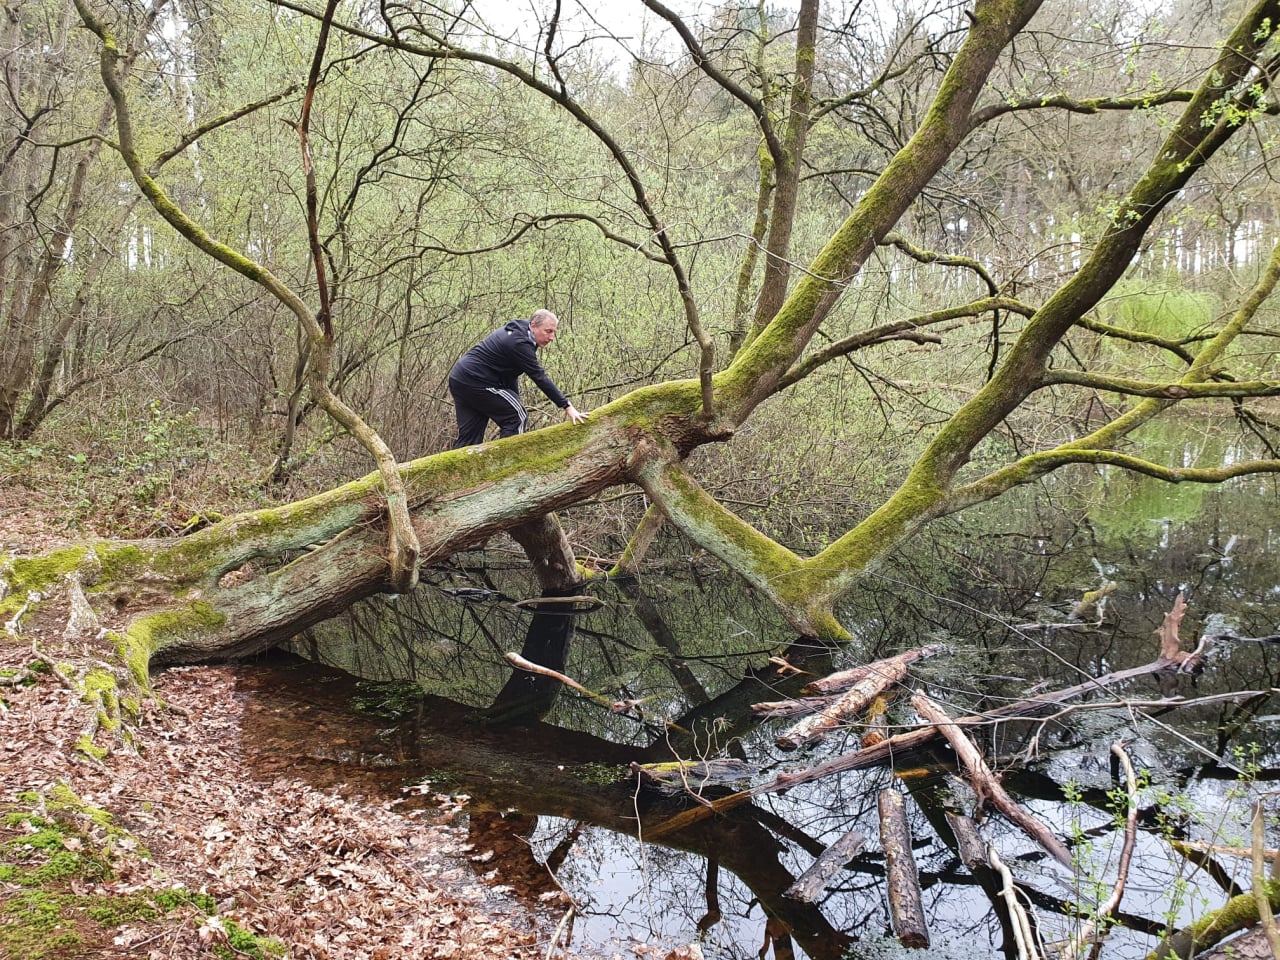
681 775
872 681
847 679
984 782
906 908
830 862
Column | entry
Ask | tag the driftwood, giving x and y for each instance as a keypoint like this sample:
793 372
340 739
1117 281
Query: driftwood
873 680
847 679
1024 934
773 709
1089 933
969 842
906 908
876 722
984 782
528 665
615 706
830 862
913 740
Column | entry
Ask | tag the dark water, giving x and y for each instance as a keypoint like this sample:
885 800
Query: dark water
545 768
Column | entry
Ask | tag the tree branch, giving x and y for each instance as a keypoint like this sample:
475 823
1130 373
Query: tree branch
404 552
1089 105
1176 347
703 62
899 330
1090 449
210 125
1178 390
945 259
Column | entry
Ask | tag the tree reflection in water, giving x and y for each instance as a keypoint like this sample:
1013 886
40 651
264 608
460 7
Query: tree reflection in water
695 652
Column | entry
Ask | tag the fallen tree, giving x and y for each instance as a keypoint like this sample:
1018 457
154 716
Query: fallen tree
241 584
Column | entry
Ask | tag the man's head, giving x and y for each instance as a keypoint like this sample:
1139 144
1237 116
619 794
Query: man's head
543 325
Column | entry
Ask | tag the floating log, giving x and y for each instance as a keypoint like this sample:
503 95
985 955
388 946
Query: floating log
773 709
876 727
984 782
969 842
874 680
846 679
906 908
830 862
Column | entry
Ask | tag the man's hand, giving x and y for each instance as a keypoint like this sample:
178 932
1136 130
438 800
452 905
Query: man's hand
576 416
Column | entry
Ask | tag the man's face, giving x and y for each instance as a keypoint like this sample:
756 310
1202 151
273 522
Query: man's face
544 332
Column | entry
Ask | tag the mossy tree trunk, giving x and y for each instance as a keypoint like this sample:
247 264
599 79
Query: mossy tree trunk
243 583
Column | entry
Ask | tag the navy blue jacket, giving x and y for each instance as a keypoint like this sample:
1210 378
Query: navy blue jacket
500 358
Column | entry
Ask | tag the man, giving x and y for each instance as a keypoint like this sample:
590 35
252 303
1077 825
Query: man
483 381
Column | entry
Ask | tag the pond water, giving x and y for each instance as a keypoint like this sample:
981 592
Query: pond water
689 649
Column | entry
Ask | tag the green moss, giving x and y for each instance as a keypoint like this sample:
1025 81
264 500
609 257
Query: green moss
114 911
119 562
148 635
600 774
63 799
175 897
44 857
246 944
42 915
100 691
25 574
36 926
86 746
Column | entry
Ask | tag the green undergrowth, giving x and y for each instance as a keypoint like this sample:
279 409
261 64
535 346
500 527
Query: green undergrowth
59 858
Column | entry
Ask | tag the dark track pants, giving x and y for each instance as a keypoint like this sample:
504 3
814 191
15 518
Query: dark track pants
476 406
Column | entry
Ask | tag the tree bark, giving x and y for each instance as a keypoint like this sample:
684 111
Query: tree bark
985 783
905 906
809 885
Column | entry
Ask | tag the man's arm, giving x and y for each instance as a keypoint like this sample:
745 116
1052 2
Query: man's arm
527 360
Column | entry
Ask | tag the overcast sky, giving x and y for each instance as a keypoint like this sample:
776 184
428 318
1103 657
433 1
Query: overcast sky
627 19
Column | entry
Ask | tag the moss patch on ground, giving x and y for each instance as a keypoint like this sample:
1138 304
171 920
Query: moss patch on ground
60 897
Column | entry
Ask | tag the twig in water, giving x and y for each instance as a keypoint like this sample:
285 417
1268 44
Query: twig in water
1265 913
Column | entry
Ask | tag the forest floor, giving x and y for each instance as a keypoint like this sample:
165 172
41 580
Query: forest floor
171 845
